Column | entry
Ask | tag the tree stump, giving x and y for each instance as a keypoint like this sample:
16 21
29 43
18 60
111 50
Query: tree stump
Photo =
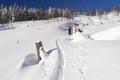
39 47
70 30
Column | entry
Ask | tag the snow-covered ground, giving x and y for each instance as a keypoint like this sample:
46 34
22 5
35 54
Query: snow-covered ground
18 48
91 55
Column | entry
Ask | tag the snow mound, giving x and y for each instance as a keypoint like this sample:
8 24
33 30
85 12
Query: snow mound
77 24
111 34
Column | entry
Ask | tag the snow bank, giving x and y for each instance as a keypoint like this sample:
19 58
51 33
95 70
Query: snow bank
110 34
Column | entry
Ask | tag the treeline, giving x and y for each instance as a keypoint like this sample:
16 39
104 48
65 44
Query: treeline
15 13
98 12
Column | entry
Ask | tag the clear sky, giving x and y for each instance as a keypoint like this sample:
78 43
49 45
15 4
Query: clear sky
75 4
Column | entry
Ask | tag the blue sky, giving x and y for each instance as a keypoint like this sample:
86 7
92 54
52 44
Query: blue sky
75 4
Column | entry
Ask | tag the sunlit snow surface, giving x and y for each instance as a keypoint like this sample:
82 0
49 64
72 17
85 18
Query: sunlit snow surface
91 55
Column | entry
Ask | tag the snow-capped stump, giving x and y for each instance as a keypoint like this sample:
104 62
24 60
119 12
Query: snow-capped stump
39 48
71 30
33 59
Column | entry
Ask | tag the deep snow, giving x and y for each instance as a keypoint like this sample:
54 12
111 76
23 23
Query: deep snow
91 55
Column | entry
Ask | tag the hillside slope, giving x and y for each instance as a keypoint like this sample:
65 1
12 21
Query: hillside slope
91 55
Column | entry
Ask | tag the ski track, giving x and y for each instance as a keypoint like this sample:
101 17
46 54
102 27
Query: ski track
58 70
